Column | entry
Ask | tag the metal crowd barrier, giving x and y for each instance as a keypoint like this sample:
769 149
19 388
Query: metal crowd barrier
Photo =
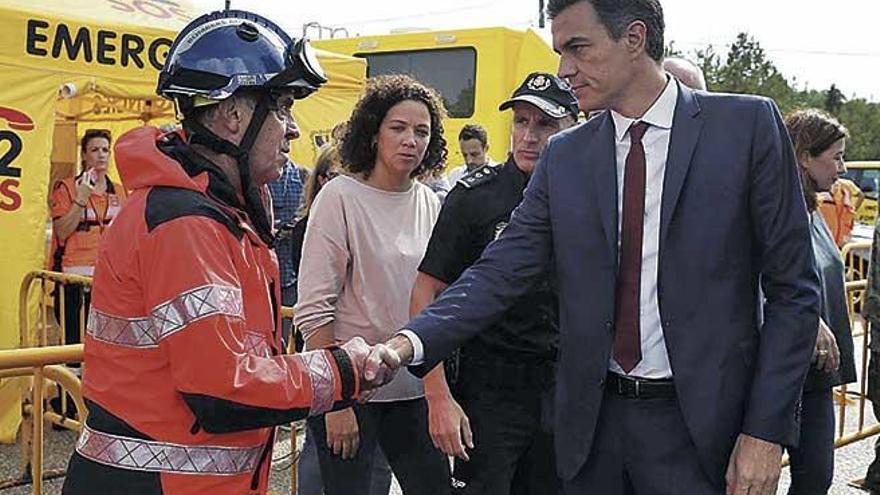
844 397
42 363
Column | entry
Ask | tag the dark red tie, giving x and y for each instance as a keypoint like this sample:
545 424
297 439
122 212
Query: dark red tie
627 337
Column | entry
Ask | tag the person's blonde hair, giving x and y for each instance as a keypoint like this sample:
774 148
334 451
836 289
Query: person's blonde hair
326 162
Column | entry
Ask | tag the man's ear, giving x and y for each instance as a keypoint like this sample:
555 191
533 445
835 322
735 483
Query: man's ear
231 115
636 37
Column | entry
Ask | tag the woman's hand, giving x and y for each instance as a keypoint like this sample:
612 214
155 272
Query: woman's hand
84 187
826 354
343 436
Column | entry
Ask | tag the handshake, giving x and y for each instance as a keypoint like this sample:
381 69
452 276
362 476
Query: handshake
377 364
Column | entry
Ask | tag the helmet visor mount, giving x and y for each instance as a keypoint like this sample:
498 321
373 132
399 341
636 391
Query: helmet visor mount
302 72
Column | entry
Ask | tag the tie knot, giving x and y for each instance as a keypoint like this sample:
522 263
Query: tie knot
637 130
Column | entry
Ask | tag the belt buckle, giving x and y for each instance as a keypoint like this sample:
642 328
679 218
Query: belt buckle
636 391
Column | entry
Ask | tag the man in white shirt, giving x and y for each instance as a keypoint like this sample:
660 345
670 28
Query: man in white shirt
474 145
660 216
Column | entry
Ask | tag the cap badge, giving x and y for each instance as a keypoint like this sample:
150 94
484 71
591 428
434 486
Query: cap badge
539 83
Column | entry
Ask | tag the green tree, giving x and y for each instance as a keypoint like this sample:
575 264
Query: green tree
748 70
862 118
833 100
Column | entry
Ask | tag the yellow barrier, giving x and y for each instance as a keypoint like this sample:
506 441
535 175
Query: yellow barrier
855 292
43 364
856 256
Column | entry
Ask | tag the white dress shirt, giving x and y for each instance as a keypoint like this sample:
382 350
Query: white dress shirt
655 359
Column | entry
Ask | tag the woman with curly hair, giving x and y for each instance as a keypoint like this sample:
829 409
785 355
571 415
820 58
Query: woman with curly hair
366 234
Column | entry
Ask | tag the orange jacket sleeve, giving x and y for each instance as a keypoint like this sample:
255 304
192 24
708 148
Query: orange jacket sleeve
194 285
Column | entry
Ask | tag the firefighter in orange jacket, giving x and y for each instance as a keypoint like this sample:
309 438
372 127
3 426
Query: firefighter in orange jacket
185 377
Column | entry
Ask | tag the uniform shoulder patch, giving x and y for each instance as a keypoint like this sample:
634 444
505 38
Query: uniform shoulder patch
167 203
479 176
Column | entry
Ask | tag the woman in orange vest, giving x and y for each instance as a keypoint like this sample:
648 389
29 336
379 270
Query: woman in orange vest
82 207
839 207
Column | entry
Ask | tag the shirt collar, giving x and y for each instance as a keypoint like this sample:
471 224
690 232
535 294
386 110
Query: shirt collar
660 114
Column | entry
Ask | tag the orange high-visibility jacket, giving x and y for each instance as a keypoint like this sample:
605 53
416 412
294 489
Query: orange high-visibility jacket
184 375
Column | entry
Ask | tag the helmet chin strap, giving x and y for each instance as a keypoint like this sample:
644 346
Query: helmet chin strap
253 204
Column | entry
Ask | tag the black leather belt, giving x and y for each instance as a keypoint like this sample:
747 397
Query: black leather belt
639 388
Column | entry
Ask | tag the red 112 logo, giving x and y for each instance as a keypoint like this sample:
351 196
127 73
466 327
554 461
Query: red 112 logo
10 198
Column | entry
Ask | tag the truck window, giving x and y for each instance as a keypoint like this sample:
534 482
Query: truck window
451 71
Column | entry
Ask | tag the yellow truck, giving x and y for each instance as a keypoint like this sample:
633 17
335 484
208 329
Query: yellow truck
473 69
866 175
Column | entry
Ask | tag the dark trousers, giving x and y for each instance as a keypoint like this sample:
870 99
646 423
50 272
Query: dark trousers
513 441
642 447
77 301
812 462
401 429
308 472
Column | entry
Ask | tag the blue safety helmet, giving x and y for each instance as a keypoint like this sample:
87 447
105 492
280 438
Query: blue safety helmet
219 53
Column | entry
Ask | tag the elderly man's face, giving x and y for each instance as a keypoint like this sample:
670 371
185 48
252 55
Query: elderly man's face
272 146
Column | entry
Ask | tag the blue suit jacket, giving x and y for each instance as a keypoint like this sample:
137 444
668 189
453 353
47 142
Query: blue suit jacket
732 216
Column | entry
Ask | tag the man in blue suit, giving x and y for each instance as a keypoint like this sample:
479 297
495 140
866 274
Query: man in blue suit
662 216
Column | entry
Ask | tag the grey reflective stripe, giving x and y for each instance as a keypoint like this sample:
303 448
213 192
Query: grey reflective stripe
167 318
323 382
148 455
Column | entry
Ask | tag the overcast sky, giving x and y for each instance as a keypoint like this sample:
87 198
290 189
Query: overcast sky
813 43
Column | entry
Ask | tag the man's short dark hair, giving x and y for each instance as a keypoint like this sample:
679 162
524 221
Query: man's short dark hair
474 131
616 15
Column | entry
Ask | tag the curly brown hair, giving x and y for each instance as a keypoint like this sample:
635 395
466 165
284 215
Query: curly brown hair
383 92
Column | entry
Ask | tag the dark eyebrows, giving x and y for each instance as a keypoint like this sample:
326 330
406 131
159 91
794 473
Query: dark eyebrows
405 122
573 41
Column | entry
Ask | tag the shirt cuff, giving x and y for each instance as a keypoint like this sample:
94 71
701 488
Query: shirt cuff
418 349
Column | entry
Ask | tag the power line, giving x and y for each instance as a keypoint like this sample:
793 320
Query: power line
696 44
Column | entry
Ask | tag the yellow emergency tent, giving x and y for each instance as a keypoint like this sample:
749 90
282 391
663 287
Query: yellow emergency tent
66 66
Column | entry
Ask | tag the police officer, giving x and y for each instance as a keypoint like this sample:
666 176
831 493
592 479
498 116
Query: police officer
498 428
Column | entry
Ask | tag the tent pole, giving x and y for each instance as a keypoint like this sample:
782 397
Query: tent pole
540 13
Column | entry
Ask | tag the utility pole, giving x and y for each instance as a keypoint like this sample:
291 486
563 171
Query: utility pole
540 14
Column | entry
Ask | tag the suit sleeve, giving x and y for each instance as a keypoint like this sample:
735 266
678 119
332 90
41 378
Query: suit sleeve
507 269
196 302
788 279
